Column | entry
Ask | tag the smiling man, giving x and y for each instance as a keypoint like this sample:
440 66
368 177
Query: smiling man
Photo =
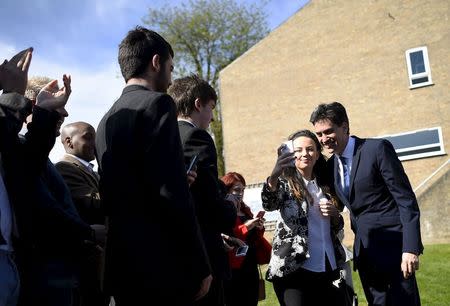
370 180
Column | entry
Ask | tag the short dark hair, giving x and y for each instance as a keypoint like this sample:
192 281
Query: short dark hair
185 90
334 111
138 48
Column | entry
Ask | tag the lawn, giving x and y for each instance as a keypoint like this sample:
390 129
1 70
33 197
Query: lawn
433 279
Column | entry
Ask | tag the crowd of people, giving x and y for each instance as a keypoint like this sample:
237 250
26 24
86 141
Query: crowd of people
157 224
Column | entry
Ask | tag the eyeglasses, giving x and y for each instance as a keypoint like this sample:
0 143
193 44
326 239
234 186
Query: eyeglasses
237 190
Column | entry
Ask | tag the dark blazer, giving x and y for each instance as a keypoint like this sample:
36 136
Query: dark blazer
83 185
215 215
11 105
384 211
51 232
37 192
154 247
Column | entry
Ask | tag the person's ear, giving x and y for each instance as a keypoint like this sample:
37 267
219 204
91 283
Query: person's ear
345 126
197 104
67 142
156 62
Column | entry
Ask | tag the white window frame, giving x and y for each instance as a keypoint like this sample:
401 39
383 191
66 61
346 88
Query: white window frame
441 151
426 62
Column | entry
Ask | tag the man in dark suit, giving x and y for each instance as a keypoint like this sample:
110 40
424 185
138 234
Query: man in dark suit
51 233
39 224
14 108
195 100
370 180
154 248
78 139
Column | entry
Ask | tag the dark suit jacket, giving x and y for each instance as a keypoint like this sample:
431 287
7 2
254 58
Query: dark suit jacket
215 215
50 231
154 246
83 186
11 105
36 190
384 210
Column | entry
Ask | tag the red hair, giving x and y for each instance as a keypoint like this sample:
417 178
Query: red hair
232 178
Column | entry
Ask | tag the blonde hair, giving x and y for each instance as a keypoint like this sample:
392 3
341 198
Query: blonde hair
34 86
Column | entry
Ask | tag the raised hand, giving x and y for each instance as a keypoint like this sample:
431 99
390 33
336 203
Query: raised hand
284 160
54 99
14 73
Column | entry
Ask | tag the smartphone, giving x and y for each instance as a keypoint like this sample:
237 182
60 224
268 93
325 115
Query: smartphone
260 214
192 163
242 251
287 147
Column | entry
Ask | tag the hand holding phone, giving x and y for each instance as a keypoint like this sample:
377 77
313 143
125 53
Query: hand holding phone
192 163
242 250
260 214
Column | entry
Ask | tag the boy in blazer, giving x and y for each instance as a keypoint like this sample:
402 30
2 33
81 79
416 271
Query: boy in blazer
195 100
370 180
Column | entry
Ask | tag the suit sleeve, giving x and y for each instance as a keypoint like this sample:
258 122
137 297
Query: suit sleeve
13 109
398 184
207 189
165 147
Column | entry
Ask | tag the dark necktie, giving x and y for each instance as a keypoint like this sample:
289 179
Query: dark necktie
346 175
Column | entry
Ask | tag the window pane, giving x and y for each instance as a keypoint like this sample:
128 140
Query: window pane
414 139
417 63
420 80
419 144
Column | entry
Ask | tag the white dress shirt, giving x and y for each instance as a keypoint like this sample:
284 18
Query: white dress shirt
348 154
319 237
87 164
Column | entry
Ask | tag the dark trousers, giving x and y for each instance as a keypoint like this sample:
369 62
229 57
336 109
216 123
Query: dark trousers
386 288
243 287
47 284
305 287
215 295
89 292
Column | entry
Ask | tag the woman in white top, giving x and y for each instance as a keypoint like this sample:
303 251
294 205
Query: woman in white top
306 254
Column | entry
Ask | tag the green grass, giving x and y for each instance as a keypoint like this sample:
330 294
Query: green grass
433 279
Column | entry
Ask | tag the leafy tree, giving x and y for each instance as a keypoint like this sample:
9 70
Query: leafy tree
206 36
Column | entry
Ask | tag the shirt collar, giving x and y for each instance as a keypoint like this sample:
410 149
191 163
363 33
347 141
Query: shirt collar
188 121
313 181
85 163
349 149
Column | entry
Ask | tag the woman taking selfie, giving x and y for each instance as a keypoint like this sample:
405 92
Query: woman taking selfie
306 254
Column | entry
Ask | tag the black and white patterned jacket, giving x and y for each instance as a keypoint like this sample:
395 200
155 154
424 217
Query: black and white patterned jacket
290 240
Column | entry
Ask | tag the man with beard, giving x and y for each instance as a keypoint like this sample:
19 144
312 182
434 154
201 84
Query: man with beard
154 249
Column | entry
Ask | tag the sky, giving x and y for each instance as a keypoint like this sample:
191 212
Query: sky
81 38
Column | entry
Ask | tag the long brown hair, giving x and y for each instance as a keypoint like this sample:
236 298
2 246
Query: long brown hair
294 177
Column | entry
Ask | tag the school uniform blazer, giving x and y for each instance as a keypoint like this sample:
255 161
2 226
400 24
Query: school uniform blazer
83 185
384 210
215 215
154 245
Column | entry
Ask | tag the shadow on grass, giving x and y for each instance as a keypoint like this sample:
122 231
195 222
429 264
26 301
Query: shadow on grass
433 279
